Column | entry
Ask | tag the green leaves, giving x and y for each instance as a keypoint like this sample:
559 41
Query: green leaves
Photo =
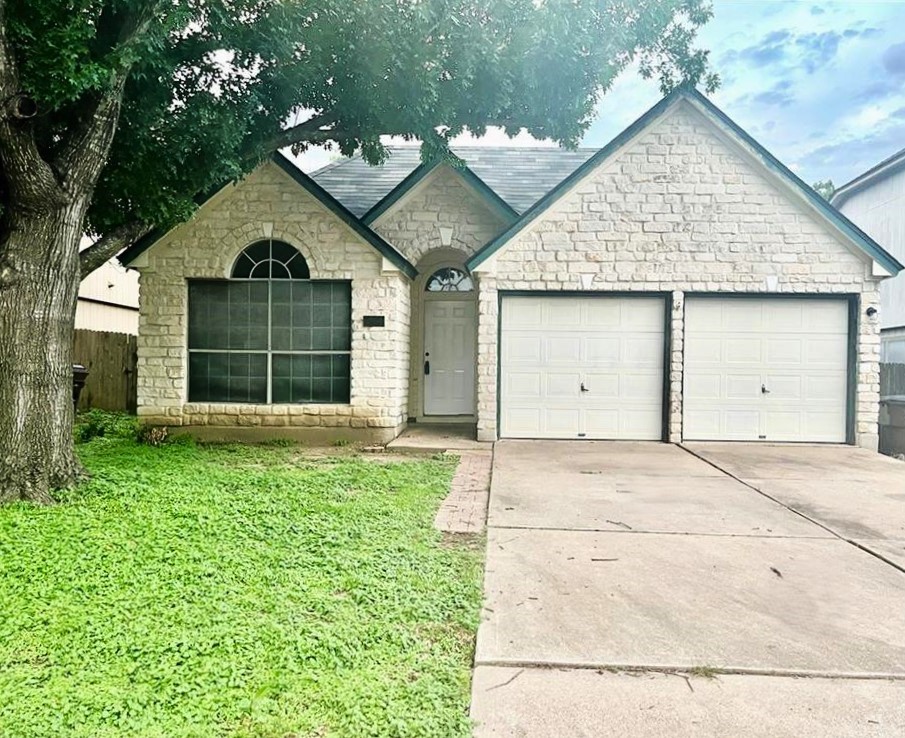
213 81
235 591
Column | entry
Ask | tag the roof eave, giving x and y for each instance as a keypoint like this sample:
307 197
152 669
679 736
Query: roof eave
877 173
842 224
417 175
131 253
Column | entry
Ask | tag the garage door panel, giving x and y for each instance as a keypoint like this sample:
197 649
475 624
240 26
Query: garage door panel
562 349
830 353
741 319
603 384
824 388
704 386
741 351
644 350
825 316
602 350
641 385
562 385
526 313
603 313
523 349
560 420
612 345
562 313
797 349
741 387
783 351
703 350
523 385
602 423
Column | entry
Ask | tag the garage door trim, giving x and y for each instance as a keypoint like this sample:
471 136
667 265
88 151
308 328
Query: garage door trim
852 300
667 298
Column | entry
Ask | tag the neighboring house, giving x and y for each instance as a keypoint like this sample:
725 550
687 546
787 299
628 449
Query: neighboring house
680 283
875 201
108 300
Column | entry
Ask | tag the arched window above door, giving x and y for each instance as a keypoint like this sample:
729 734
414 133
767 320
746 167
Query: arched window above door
449 279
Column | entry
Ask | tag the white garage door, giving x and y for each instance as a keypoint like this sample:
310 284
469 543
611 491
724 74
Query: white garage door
581 367
765 369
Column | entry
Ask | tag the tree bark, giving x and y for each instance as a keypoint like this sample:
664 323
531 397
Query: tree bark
38 295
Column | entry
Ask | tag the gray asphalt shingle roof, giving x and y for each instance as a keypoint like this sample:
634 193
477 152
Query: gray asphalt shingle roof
519 175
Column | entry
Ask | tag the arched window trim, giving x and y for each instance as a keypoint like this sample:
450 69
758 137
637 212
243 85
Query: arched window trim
290 265
449 279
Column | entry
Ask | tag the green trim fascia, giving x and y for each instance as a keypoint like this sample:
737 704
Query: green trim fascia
418 174
346 215
408 183
855 234
849 229
314 189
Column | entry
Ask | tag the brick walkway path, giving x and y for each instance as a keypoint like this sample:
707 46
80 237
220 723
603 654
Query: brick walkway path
465 508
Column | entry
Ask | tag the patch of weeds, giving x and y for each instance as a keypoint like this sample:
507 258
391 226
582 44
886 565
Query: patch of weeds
445 457
704 672
278 442
91 424
342 442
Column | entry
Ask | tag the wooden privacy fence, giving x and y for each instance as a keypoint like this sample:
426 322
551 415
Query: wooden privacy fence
111 359
892 379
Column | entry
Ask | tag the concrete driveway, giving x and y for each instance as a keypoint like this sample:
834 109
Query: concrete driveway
719 589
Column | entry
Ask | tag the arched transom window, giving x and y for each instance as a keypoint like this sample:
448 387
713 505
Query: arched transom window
449 279
270 260
270 334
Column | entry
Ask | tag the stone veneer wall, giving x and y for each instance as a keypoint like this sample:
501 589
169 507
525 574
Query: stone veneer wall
441 199
268 203
679 209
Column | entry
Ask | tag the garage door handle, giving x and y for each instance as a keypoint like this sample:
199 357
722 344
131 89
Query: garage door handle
764 390
583 388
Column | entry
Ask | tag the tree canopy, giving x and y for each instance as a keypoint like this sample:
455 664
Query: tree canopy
116 115
211 85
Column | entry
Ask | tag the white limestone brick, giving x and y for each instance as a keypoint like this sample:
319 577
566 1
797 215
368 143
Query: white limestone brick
680 210
269 202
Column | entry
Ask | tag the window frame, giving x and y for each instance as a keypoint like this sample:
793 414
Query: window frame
269 352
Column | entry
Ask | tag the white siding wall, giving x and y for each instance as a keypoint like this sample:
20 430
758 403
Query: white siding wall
108 300
879 211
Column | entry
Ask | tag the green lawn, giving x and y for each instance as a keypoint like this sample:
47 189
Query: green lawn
236 591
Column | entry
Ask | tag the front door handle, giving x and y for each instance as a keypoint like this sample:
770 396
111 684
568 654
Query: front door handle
427 364
764 390
583 388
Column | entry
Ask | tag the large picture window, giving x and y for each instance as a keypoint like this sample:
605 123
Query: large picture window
269 334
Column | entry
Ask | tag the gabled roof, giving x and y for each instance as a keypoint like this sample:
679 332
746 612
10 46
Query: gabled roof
519 176
842 224
420 173
884 169
319 193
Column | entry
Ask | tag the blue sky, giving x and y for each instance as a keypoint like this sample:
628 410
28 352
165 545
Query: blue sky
820 84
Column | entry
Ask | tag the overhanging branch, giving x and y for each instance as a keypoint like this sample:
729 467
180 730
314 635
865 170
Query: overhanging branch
109 245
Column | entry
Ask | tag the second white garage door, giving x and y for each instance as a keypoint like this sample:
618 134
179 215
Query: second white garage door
765 369
581 367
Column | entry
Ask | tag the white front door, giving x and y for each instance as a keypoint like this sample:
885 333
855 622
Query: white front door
582 367
449 357
765 369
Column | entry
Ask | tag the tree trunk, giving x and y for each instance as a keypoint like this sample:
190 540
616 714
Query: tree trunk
39 282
